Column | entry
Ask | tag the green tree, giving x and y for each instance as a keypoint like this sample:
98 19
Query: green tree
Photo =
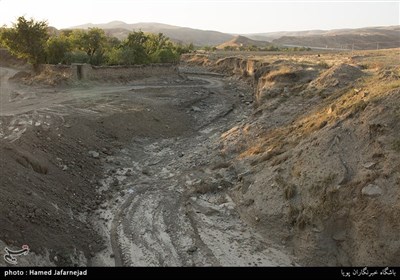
92 42
57 49
27 40
76 56
113 42
181 49
166 55
142 48
134 48
253 48
230 48
155 42
2 45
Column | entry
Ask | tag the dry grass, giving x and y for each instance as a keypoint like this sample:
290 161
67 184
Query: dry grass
284 73
324 64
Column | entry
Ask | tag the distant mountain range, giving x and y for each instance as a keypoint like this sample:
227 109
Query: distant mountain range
362 38
187 35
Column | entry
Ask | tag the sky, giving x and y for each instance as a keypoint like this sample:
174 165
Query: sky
236 17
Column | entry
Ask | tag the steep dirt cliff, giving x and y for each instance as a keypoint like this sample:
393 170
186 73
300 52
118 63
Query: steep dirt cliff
319 159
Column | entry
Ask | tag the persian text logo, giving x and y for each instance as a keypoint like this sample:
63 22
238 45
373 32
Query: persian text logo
10 256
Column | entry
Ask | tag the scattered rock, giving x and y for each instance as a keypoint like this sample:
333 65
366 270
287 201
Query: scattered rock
146 172
196 109
192 249
94 154
112 171
286 90
372 190
369 165
115 183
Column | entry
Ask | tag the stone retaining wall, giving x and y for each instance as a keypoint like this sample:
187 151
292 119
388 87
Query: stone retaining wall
115 73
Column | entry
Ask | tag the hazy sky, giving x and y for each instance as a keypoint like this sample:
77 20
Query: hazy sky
221 15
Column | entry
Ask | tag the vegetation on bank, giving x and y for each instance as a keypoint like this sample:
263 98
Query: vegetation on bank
254 48
36 42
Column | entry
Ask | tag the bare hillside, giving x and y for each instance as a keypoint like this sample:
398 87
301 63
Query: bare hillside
178 34
363 38
359 39
241 41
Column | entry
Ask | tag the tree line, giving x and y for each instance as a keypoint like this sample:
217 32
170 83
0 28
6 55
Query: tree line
37 43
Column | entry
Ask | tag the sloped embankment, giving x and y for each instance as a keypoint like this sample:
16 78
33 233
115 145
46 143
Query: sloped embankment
319 160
